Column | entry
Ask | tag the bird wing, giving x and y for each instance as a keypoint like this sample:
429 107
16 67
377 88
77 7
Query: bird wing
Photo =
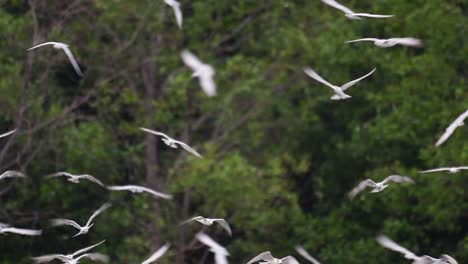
155 132
43 44
435 170
451 128
461 118
196 218
21 231
262 256
414 42
8 133
386 242
91 178
311 73
463 168
448 259
191 60
338 6
306 255
97 212
2 225
224 224
48 258
372 15
353 82
62 222
188 148
72 59
361 186
220 259
95 257
217 248
177 12
156 255
289 260
12 174
155 193
397 178
83 250
207 84
362 39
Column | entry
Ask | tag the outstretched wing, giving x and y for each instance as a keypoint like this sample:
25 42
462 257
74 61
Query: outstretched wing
435 170
98 211
95 257
362 39
83 250
159 253
8 133
192 219
372 15
266 256
448 258
397 178
48 258
155 132
306 255
191 60
59 174
311 73
451 128
12 174
207 84
361 186
62 222
188 148
224 224
72 59
338 6
353 82
43 44
91 178
413 42
386 242
177 12
21 231
155 193
215 247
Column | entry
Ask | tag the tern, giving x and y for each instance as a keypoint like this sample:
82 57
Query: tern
75 178
139 189
82 229
388 243
266 256
66 49
378 186
220 252
209 221
177 12
172 142
306 255
156 255
339 91
203 71
70 258
387 43
5 228
12 174
7 133
451 128
451 170
349 13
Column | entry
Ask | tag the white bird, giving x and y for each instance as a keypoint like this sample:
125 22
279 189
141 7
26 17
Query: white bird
350 13
7 133
378 186
172 142
451 128
266 256
449 169
220 252
339 91
388 243
177 12
387 43
70 258
156 255
12 174
139 189
5 228
75 178
203 71
209 221
82 229
306 255
66 49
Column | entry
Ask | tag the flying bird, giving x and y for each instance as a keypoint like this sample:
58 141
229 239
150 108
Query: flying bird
350 13
12 174
177 12
306 255
209 221
378 186
139 189
269 259
82 229
203 71
70 258
5 228
75 178
389 244
66 49
7 133
220 252
156 255
387 43
172 142
449 169
339 91
451 128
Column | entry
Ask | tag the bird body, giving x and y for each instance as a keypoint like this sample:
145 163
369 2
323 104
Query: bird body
350 13
378 186
172 142
203 71
75 178
139 189
220 252
451 128
387 43
66 49
209 221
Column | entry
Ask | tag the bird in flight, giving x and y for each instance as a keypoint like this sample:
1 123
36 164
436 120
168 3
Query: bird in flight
75 178
451 128
350 13
209 221
306 255
378 186
203 71
269 259
82 229
388 243
158 254
177 12
220 252
387 43
139 189
172 142
339 91
66 49
449 169
70 258
12 174
5 228
7 133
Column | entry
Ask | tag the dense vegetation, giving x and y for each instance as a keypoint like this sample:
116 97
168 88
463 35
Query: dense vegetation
279 156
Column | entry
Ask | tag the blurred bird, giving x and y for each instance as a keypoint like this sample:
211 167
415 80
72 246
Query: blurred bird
449 169
75 178
66 49
349 13
378 186
12 174
266 256
70 258
203 71
388 243
82 229
177 12
220 252
172 142
209 221
5 228
451 128
339 91
7 133
156 255
306 255
139 189
387 43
